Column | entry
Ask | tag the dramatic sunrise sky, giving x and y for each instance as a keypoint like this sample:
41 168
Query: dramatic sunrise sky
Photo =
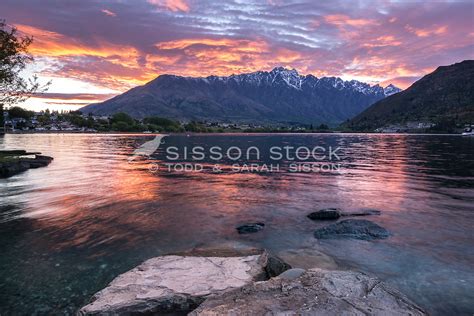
93 49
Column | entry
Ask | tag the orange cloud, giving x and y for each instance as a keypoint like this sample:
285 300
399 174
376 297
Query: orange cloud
237 45
401 82
74 96
344 20
173 5
205 56
381 69
381 41
286 56
52 44
427 32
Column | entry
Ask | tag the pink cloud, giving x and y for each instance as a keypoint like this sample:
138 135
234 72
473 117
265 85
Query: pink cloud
108 12
173 5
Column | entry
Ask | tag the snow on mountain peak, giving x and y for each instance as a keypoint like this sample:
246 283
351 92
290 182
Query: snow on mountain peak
293 79
391 89
290 76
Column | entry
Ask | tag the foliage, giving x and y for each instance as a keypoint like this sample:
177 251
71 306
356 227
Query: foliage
14 57
196 127
160 121
159 124
121 127
122 117
18 112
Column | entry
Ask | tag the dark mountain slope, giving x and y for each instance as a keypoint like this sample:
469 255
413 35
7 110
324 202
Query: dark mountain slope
445 94
280 95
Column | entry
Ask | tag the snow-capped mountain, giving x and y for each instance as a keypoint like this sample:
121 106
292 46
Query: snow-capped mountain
294 80
280 95
391 89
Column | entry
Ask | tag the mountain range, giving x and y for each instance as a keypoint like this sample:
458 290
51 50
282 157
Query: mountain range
278 96
443 96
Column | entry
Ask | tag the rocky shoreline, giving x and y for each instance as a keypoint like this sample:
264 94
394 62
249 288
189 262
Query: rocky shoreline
13 162
248 282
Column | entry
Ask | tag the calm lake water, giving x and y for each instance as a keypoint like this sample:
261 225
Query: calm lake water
68 229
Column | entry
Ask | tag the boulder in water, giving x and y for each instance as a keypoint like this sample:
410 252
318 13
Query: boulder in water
250 228
362 212
352 229
325 214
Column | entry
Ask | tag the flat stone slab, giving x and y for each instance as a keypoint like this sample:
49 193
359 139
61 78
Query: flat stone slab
312 292
178 284
352 229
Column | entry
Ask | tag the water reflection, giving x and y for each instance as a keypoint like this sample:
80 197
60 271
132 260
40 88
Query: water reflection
68 229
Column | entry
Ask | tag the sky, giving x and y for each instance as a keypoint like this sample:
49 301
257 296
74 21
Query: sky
93 49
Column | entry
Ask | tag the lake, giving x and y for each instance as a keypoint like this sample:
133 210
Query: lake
68 229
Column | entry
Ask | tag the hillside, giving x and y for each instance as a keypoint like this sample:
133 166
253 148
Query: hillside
278 96
447 94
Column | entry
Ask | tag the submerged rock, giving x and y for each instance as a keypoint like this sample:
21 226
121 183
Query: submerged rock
312 292
250 228
352 228
308 258
178 284
292 274
336 213
325 214
363 212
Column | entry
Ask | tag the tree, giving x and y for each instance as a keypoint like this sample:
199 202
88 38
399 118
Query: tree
14 57
122 117
162 124
122 126
18 112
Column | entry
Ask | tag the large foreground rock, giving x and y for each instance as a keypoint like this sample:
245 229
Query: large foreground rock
352 229
312 292
178 284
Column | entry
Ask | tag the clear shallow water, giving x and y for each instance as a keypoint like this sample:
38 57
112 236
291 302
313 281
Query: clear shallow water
69 229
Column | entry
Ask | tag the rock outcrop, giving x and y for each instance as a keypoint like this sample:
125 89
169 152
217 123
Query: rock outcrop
312 292
13 162
250 228
178 284
336 213
362 212
254 284
352 229
325 214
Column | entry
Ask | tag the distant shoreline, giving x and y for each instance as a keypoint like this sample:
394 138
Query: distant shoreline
222 133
